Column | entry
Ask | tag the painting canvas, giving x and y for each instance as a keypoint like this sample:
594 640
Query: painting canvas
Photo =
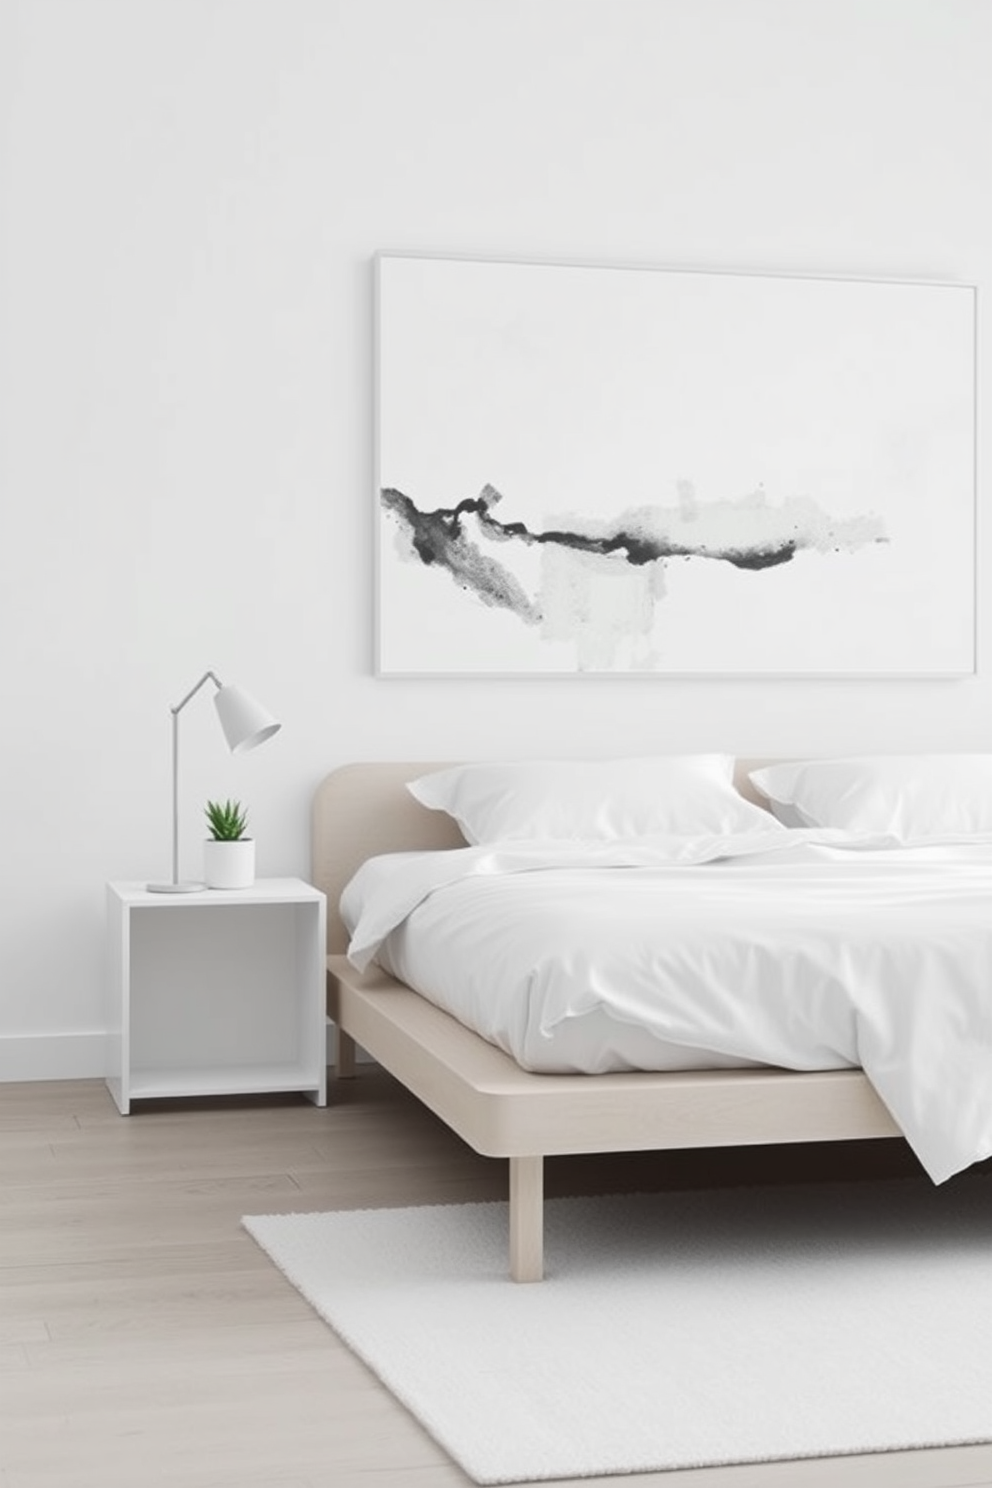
628 471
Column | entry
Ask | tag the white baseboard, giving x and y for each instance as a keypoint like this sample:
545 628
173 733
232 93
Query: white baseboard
52 1056
75 1056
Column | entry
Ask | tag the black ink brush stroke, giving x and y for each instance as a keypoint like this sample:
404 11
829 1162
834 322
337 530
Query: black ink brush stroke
438 539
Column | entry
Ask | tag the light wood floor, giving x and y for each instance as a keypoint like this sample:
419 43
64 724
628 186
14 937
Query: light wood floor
146 1340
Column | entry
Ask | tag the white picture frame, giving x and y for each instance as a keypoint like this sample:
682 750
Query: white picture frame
587 469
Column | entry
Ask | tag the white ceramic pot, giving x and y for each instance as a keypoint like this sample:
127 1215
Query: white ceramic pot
229 865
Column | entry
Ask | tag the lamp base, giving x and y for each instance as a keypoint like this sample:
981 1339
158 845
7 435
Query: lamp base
175 888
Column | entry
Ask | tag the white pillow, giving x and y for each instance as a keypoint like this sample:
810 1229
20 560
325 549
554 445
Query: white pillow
911 796
592 800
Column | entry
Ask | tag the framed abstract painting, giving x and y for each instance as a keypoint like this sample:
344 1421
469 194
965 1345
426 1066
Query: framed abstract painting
586 469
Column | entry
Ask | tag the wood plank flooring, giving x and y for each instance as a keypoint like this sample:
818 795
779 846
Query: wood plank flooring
146 1340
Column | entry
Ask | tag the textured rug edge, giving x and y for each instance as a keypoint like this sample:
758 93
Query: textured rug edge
383 1375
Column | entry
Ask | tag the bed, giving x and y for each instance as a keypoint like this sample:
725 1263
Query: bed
500 1109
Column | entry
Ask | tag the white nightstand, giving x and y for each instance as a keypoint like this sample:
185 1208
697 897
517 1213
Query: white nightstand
219 992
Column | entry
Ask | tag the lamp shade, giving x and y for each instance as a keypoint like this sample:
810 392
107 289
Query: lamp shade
245 722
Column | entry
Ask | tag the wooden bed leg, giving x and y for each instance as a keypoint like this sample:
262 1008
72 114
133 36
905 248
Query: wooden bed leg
344 1059
527 1218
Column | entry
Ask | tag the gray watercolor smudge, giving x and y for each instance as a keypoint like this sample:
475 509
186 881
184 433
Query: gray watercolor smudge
632 548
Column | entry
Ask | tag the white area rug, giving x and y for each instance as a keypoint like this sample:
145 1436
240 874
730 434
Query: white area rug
672 1330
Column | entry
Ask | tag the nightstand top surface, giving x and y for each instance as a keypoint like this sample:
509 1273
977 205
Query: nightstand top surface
262 891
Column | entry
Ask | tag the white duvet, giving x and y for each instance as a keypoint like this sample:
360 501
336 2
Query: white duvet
808 949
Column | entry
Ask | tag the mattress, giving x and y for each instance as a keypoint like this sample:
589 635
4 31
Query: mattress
825 951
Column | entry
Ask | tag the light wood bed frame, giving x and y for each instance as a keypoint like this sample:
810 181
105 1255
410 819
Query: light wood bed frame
499 1109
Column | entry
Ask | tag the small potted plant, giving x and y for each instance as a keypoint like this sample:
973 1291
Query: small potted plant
228 855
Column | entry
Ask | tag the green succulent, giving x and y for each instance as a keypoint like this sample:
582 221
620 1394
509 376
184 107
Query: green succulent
227 820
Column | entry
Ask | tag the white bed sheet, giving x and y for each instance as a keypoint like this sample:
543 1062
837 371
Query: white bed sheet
826 951
596 1043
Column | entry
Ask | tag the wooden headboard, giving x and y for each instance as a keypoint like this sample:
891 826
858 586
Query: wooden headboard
363 809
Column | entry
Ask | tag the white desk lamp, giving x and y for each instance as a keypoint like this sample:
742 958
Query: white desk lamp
245 724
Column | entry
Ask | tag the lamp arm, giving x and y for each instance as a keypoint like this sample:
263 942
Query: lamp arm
207 677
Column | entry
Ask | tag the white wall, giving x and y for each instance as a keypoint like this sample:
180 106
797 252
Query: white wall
190 193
